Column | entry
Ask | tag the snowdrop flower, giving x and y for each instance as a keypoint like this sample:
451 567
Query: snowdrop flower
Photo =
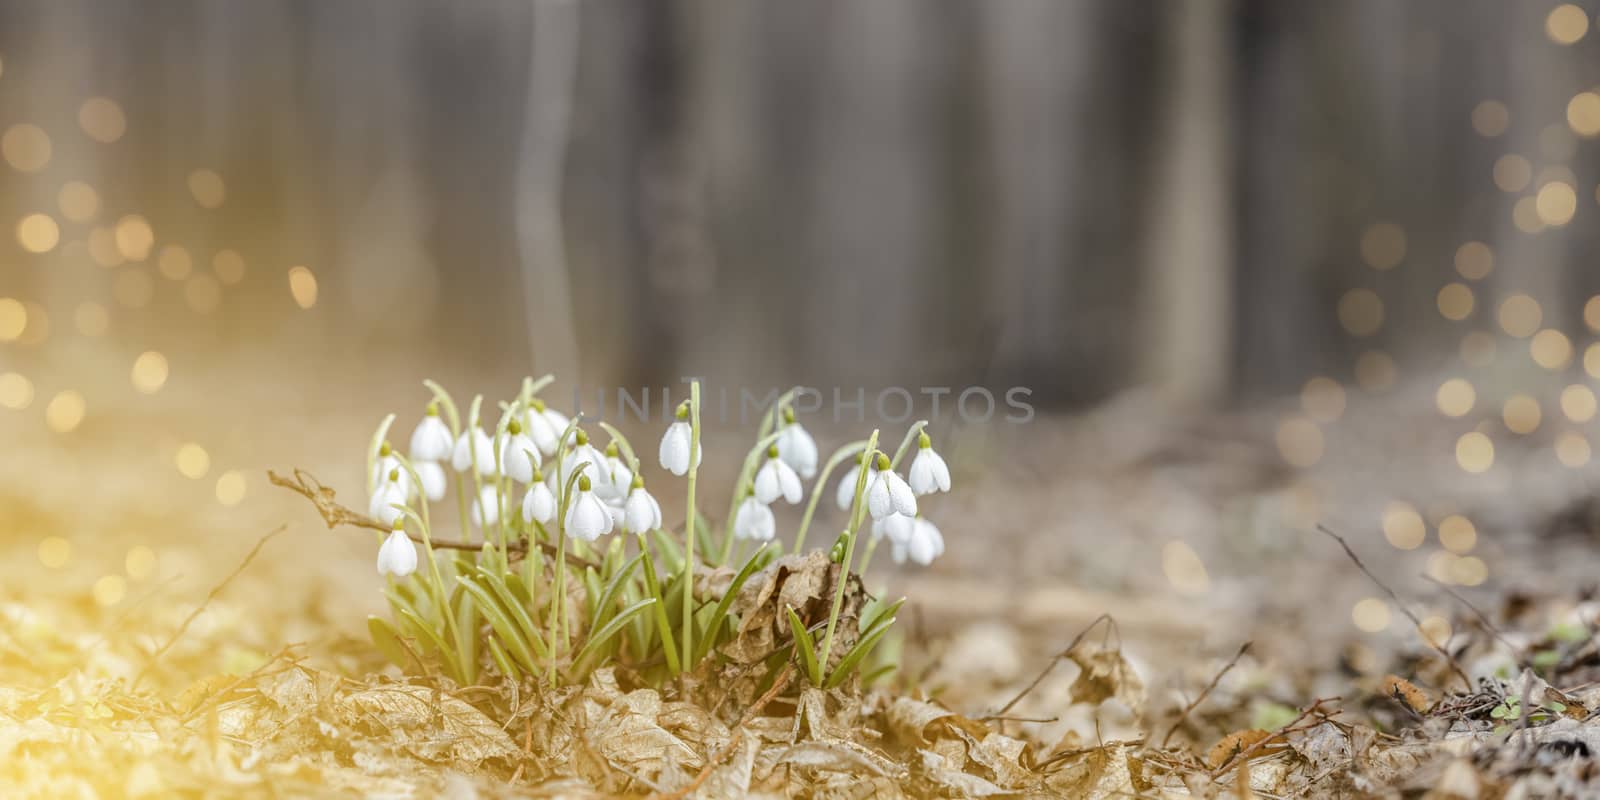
617 475
776 479
545 426
389 462
397 556
539 504
431 441
846 493
928 471
924 544
486 511
587 517
584 453
643 513
896 526
889 493
474 445
754 521
675 444
796 447
389 494
520 456
432 477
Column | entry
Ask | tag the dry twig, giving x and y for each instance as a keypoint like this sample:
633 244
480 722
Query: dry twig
1204 692
1057 659
1278 735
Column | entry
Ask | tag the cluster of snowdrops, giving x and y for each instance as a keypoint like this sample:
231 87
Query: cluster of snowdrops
535 586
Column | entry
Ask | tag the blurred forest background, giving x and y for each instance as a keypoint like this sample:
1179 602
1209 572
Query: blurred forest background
1078 196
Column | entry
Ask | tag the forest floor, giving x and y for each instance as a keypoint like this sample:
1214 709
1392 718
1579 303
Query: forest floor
1127 608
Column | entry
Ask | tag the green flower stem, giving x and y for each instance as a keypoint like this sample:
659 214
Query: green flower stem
905 444
741 487
851 535
372 452
689 526
817 490
866 558
472 452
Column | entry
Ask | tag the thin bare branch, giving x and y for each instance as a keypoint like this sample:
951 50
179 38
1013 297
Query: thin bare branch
1204 692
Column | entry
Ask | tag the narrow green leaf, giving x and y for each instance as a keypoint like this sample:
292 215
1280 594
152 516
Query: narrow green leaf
498 653
601 636
805 646
671 553
872 677
607 600
720 614
860 651
388 642
466 616
881 614
431 637
507 597
501 622
669 643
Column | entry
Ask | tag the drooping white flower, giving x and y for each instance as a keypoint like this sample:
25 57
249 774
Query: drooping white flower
539 504
592 463
519 457
486 511
388 462
432 477
618 513
545 426
618 478
431 441
846 493
889 493
924 544
385 499
895 526
928 473
587 517
676 443
796 447
777 479
397 556
643 513
754 520
474 445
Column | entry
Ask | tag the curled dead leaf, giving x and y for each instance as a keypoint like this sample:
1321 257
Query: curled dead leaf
1105 674
1406 693
1235 743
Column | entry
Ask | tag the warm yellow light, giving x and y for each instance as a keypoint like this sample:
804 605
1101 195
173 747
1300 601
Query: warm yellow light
78 200
1520 315
1370 614
1578 403
193 461
1566 24
133 288
102 119
13 319
303 287
230 488
26 147
1583 114
1550 349
110 589
91 318
1474 260
1455 301
174 262
1435 630
228 266
54 552
16 391
1512 172
1521 414
134 237
1403 526
1383 245
1323 399
38 233
1458 534
1477 349
65 411
1591 313
1469 571
206 186
1525 215
103 247
1455 397
1572 449
139 563
1375 370
1474 452
1299 442
1556 203
1184 569
1490 118
149 372
1361 312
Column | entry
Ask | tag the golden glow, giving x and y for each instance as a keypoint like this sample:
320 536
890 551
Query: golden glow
1477 349
1474 452
1550 349
1469 571
1591 313
1323 399
1370 614
38 233
91 319
133 288
1435 630
303 287
134 237
54 552
1572 449
38 324
25 147
1591 360
1566 24
16 391
1455 398
1458 534
1490 118
1578 403
13 319
174 262
1583 114
1474 260
139 563
1383 246
65 411
206 186
110 589
1299 442
229 266
1183 568
203 294
1512 173
149 372
1455 301
1556 203
1403 526
193 461
103 247
230 488
102 119
1520 315
78 200
1361 312
1525 215
1375 370
1521 414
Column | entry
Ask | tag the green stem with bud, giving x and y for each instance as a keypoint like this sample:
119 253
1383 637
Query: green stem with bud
852 533
689 525
817 490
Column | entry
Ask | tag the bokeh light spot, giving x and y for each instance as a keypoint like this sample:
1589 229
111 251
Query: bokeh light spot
193 461
1521 414
207 188
1550 349
38 233
102 119
110 589
134 237
1469 571
1474 452
26 147
139 563
149 372
1572 449
1383 245
229 266
1490 118
1455 397
1299 442
231 488
16 391
1566 24
1512 173
1583 114
303 287
1184 569
1578 403
1361 312
1455 301
65 411
78 200
1556 203
1474 260
1403 526
13 319
1323 399
1435 630
1520 315
1370 614
174 262
54 552
1458 534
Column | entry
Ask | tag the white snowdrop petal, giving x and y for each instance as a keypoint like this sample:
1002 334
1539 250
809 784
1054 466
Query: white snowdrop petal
767 484
928 473
433 479
519 457
675 445
397 556
431 440
643 513
789 483
798 449
382 506
901 498
879 502
898 527
846 493
486 511
754 520
538 505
